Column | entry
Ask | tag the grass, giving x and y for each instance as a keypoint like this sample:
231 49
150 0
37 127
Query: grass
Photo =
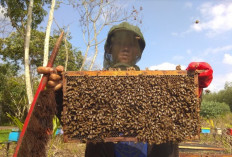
61 149
4 134
224 140
219 122
58 148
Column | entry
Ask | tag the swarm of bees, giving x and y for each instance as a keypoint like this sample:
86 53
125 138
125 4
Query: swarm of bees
152 108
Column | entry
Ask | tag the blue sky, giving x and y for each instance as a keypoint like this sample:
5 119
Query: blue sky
172 36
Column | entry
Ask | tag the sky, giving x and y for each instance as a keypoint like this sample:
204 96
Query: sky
172 36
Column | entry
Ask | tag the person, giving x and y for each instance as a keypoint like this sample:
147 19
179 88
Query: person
123 49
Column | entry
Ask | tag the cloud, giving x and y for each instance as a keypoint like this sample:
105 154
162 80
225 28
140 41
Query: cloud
227 59
216 85
174 34
177 58
189 51
181 34
219 81
215 18
217 50
2 11
197 59
188 5
211 54
166 66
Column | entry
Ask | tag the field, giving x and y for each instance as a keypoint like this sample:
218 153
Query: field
57 148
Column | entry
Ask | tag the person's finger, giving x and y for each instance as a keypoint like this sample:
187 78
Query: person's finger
60 68
54 77
52 83
59 86
44 70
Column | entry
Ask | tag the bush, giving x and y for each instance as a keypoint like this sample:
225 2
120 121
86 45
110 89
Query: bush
221 96
211 109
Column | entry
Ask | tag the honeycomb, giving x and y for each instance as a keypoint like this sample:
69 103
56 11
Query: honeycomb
152 108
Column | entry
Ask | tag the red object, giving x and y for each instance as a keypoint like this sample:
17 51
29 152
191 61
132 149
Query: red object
229 131
41 87
204 78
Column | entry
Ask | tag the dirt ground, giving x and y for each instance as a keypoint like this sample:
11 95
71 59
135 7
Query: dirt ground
56 148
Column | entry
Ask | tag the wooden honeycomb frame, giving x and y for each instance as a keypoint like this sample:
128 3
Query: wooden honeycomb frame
127 73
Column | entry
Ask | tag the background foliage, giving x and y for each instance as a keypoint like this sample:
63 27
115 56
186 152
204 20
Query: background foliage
211 109
12 50
12 93
16 10
224 95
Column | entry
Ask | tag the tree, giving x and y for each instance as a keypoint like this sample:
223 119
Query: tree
95 16
5 27
221 96
12 90
16 11
210 109
11 50
48 30
20 14
26 54
65 44
12 93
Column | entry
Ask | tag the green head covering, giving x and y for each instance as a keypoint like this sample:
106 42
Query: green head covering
125 26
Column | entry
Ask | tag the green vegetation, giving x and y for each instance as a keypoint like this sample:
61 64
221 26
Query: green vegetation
223 140
12 50
12 93
211 109
4 134
16 121
223 96
56 125
215 107
16 10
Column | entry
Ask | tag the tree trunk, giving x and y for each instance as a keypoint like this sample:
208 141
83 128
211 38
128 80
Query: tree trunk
26 57
66 54
48 30
96 47
85 57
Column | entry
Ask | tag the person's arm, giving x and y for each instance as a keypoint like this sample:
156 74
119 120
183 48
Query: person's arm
204 78
55 84
40 125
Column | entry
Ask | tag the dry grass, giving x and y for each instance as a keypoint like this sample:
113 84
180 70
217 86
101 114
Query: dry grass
3 149
224 140
57 148
222 122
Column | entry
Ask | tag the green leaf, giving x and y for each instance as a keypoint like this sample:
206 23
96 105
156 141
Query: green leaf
16 121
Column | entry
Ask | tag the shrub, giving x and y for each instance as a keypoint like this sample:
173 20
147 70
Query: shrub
210 109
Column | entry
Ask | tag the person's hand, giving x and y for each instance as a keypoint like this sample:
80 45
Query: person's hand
204 78
55 78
